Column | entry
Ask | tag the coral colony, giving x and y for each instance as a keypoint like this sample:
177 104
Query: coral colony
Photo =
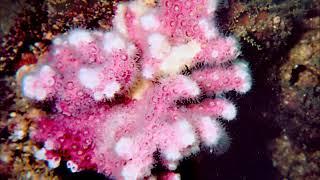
154 83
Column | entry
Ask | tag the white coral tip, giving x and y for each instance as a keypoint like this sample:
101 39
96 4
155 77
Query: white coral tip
113 42
243 72
111 88
229 112
191 86
130 172
79 36
89 77
172 155
149 22
123 147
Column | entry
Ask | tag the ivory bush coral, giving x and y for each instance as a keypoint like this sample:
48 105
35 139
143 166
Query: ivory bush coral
120 96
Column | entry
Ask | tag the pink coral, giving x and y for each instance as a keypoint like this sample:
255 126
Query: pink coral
116 93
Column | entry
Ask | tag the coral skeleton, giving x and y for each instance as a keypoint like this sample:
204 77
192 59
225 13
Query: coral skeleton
116 94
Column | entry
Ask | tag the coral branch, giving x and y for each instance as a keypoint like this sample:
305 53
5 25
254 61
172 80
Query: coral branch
219 79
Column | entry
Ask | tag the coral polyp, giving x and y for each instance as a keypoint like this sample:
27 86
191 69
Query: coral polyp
115 94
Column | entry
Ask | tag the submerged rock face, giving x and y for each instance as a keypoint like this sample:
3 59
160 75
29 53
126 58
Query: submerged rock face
120 96
296 152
